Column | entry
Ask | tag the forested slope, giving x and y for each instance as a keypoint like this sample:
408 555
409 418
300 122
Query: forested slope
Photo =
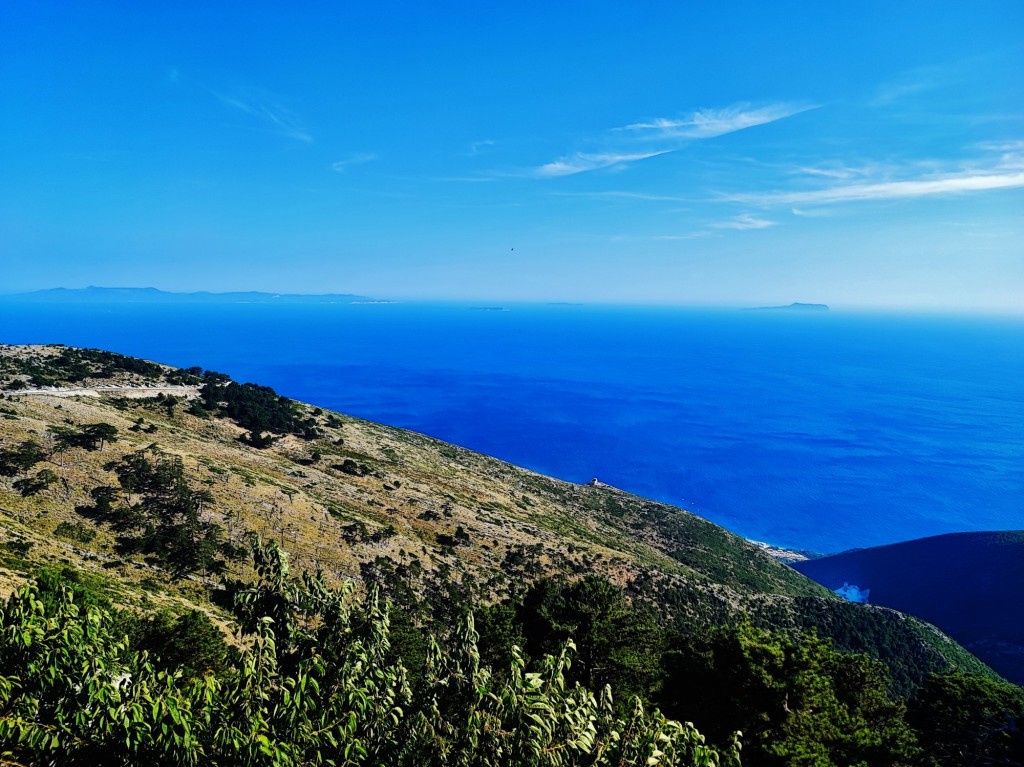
971 585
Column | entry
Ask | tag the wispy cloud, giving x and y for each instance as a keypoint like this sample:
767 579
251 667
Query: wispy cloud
641 140
1015 146
267 110
481 179
743 222
889 93
838 172
478 147
581 162
1001 167
889 190
700 234
920 80
621 195
1011 153
710 123
340 166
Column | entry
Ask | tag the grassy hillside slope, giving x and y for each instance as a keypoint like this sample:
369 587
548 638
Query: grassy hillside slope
362 500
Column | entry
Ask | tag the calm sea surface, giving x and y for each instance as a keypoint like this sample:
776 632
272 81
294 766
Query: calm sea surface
816 431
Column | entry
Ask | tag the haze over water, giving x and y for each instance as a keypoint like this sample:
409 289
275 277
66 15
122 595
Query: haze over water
823 431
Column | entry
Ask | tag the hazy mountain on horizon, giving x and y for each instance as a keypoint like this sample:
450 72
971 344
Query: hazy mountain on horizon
155 295
796 306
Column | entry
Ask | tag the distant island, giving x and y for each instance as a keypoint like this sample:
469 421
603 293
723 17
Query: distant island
154 295
793 307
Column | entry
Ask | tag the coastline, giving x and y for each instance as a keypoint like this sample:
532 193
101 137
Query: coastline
784 554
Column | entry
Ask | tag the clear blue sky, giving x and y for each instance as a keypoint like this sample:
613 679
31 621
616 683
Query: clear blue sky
857 154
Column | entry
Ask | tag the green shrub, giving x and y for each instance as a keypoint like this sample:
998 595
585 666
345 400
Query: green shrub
75 531
315 685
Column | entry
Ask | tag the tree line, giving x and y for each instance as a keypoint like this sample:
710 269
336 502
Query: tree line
256 408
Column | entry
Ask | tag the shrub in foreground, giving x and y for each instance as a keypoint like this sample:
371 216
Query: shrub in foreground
315 685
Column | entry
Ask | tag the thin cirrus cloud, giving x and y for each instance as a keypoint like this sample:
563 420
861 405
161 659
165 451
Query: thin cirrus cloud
581 162
890 190
668 134
710 123
920 80
267 111
612 194
811 212
359 158
837 172
743 222
664 237
1015 147
892 92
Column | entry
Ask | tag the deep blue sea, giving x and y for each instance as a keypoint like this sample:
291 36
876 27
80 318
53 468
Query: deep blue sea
819 431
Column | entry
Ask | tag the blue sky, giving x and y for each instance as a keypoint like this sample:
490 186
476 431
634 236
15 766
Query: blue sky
857 154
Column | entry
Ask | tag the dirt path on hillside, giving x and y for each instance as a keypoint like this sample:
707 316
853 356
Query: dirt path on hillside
124 390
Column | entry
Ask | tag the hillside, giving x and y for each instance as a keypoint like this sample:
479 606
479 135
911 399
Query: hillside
971 585
361 501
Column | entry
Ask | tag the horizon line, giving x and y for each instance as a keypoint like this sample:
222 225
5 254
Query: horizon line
637 302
